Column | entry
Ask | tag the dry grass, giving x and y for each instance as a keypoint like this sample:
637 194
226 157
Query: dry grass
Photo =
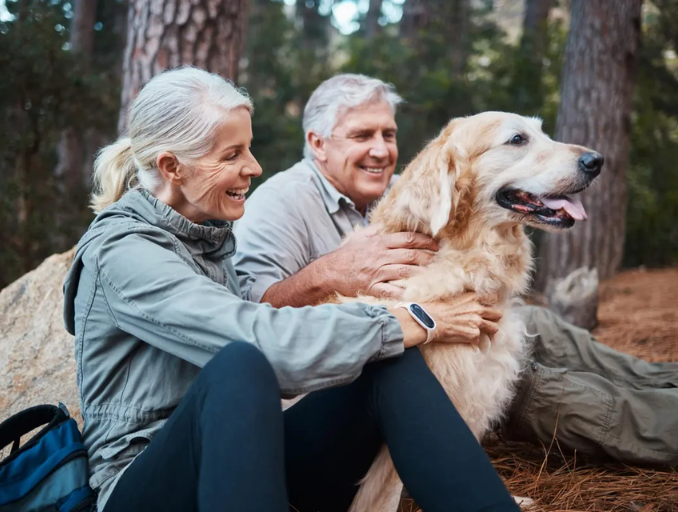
559 483
638 314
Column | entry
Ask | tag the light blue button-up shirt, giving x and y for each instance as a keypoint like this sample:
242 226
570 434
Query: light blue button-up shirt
290 220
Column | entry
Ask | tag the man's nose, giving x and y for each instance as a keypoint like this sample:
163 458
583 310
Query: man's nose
379 149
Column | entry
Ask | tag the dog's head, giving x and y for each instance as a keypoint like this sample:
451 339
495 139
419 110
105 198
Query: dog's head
499 168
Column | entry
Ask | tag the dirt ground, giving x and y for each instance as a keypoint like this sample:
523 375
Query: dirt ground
638 314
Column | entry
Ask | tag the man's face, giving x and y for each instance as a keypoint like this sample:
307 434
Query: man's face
360 155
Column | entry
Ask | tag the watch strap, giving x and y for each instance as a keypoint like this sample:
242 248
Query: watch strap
430 331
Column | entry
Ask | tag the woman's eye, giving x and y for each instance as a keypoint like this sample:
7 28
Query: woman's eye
517 140
232 157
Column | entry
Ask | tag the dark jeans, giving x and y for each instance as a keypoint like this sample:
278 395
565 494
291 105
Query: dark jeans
228 446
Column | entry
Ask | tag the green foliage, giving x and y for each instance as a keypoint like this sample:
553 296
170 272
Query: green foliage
44 90
441 73
286 60
651 227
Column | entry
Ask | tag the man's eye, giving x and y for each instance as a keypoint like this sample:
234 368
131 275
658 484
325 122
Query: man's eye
389 136
234 156
517 140
362 137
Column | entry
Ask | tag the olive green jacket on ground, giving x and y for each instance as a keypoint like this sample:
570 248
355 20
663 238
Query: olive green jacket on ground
151 297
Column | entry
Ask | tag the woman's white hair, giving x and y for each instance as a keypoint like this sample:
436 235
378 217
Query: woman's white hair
338 94
178 111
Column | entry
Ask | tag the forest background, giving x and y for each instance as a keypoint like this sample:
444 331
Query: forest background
68 68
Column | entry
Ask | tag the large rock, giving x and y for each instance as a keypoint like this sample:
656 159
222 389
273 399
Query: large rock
37 364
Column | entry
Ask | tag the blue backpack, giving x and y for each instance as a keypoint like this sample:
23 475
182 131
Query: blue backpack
49 472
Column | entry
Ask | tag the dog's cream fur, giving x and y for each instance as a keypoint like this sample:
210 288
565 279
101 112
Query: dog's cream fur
449 191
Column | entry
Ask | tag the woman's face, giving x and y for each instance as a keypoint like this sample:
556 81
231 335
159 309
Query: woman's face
215 187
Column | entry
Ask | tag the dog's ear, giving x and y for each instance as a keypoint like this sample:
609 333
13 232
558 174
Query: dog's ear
441 178
435 185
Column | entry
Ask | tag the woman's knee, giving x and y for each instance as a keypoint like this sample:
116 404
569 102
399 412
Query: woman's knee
410 364
242 364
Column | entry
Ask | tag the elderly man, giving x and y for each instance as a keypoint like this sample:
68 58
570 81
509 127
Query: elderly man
594 399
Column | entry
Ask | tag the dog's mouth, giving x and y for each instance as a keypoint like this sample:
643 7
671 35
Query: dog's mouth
559 211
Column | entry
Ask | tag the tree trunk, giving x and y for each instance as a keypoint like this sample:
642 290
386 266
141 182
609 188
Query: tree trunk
70 151
415 17
535 26
314 26
164 34
372 19
457 34
82 28
595 111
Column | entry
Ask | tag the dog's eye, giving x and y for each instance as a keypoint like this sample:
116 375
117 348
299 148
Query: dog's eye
517 140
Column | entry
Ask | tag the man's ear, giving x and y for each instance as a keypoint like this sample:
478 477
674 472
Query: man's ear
317 145
169 168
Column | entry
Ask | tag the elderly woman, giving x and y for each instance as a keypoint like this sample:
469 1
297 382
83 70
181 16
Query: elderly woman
180 379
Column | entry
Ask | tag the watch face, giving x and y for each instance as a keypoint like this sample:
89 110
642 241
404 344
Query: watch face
422 315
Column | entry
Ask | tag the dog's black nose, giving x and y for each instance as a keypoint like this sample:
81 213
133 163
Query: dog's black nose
591 163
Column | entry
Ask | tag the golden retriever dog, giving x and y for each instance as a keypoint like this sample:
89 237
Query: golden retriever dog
474 188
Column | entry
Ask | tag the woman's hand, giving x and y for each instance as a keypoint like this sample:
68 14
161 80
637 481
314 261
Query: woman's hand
461 319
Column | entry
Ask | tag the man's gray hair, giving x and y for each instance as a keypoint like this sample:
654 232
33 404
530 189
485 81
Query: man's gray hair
338 94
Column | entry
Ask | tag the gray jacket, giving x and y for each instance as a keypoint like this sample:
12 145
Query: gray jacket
151 297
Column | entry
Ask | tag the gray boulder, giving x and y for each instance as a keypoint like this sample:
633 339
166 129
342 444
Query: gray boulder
37 363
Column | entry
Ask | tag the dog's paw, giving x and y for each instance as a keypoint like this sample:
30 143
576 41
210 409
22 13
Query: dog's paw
524 503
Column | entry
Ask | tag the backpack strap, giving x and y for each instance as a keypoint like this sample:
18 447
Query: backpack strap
13 428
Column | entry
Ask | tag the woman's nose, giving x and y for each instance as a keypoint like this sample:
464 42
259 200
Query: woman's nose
252 168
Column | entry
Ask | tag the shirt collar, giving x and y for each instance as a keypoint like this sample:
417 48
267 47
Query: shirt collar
331 196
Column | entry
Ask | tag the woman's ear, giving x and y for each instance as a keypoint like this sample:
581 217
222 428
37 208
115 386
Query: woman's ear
169 168
317 145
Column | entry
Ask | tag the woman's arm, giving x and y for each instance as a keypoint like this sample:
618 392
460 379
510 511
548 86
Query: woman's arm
156 296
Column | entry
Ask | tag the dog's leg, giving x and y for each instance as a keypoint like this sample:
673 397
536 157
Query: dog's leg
381 488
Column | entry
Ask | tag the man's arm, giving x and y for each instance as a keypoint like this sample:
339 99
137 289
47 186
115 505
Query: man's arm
274 260
273 239
366 264
308 287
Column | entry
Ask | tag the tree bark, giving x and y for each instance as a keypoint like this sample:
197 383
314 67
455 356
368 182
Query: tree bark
372 18
457 34
70 150
449 17
595 111
535 26
82 28
415 17
164 34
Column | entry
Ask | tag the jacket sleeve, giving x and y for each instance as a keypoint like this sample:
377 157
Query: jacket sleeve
155 295
273 239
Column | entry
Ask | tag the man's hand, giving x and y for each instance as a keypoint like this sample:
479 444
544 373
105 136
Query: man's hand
368 261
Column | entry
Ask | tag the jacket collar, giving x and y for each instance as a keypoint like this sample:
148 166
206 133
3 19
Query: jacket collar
213 238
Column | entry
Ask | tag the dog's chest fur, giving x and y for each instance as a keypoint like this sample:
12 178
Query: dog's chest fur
496 263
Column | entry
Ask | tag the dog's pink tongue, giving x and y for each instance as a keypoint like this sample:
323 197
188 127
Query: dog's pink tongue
571 205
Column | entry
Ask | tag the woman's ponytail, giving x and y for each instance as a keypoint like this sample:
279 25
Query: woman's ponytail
115 172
